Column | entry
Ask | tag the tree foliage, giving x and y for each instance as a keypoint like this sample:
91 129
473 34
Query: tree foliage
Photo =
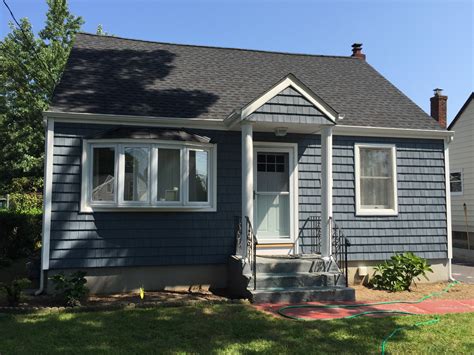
30 68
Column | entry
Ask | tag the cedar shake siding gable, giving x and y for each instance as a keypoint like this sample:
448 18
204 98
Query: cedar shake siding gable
289 106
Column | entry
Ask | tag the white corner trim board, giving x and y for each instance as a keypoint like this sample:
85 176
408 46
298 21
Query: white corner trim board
48 186
448 201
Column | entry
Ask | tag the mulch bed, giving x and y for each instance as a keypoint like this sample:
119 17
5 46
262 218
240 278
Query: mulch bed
118 301
460 291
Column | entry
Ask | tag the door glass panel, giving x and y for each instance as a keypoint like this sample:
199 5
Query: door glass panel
272 195
136 174
272 172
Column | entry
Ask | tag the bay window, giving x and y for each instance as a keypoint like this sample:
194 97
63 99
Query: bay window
198 176
376 179
157 175
103 176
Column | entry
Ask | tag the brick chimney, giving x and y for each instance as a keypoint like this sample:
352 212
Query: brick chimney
357 51
439 107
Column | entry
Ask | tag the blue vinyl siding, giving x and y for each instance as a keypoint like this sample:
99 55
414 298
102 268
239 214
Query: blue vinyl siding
420 225
80 240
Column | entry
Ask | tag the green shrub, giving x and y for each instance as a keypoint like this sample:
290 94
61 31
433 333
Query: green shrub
398 273
25 184
70 289
20 234
26 202
13 290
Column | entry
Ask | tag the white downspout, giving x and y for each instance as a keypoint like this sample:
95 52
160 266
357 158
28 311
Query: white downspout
47 192
247 180
326 190
448 207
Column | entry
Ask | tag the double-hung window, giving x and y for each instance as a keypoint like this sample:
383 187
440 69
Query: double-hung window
456 182
156 175
376 179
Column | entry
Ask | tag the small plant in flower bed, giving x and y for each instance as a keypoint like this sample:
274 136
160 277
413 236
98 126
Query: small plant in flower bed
13 290
398 273
70 289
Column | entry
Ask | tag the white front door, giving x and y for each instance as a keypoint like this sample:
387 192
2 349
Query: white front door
274 203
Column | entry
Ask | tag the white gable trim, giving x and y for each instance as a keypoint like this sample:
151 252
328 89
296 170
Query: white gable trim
289 81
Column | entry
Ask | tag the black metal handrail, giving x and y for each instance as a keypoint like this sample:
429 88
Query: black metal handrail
340 245
250 252
309 237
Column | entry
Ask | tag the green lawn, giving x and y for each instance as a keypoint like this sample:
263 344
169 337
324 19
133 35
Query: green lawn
224 328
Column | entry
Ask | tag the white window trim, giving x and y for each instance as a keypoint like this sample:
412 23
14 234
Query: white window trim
360 211
460 171
152 204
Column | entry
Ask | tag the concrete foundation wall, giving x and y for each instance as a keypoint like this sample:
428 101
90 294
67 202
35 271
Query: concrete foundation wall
152 278
439 266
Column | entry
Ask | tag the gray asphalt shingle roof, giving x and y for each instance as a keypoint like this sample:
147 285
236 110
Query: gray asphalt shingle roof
111 75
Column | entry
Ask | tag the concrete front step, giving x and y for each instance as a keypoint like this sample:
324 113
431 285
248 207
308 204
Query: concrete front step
299 279
276 265
302 294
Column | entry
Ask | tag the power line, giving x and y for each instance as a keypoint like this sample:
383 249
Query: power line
51 76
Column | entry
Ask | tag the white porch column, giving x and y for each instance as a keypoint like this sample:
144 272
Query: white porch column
247 179
326 190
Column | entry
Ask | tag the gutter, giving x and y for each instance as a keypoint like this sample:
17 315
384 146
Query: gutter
41 285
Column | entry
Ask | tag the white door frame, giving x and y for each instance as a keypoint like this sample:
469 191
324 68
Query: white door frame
292 150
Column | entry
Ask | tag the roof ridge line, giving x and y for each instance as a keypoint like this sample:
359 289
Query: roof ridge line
218 47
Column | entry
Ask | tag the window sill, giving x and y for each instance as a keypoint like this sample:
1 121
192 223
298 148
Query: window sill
456 193
89 209
376 212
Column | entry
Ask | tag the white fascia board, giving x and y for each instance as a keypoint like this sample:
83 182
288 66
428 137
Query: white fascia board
149 121
288 81
391 132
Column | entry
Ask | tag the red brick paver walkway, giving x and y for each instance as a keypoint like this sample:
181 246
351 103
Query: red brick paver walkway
425 307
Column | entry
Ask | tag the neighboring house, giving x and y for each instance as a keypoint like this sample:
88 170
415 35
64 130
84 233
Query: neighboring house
179 142
461 161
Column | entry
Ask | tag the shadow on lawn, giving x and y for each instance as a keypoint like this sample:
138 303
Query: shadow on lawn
197 329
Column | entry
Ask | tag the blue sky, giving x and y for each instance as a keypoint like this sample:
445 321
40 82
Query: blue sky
417 44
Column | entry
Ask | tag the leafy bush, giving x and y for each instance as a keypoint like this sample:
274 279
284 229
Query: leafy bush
13 290
70 289
20 234
398 273
26 202
26 184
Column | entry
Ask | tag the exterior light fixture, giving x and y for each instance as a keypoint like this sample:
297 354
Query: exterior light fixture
281 131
